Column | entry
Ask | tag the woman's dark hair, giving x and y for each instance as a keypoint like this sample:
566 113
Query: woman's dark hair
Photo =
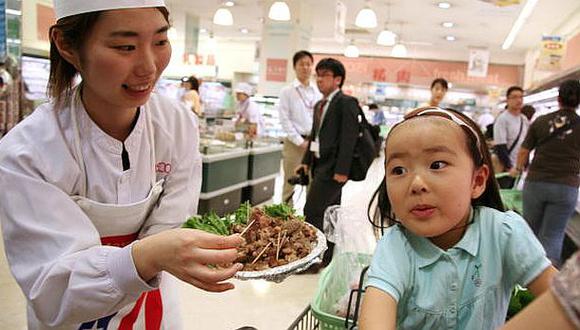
75 30
528 111
299 55
334 66
569 94
480 156
193 81
441 82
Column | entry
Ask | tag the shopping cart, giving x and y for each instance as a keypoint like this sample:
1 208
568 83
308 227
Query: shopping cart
511 197
305 321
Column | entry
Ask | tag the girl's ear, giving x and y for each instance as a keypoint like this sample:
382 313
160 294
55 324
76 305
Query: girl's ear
65 50
478 184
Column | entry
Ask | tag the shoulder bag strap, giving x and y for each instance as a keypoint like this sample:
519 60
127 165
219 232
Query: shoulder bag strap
517 137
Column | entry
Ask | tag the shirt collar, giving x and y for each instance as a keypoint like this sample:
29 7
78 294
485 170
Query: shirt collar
331 96
297 83
428 253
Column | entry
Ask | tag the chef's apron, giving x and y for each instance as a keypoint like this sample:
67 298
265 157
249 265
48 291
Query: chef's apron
119 225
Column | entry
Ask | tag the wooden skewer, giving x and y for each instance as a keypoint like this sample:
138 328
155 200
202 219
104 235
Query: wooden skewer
278 246
260 254
248 226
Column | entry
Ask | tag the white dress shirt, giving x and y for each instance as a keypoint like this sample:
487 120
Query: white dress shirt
296 110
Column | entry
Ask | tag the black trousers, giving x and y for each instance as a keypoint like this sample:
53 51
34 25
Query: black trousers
322 194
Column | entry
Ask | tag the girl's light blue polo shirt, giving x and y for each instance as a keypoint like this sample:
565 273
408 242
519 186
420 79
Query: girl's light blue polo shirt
466 287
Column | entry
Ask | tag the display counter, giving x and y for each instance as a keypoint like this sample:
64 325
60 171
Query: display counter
233 174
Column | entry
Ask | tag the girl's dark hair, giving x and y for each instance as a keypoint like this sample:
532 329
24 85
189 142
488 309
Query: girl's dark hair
300 54
480 156
75 31
569 94
441 82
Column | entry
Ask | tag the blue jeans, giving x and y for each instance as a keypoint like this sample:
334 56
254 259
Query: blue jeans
547 209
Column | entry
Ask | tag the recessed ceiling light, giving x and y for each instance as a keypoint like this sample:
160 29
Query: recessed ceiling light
450 38
203 30
244 30
448 24
229 3
444 5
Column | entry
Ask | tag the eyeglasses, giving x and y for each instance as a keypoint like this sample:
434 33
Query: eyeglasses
435 111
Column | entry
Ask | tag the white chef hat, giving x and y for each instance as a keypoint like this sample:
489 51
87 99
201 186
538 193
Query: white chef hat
244 88
64 8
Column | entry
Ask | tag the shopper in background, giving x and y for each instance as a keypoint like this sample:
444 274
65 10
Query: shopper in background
248 111
557 308
551 188
509 131
453 255
378 115
96 183
330 145
296 105
528 111
191 95
439 88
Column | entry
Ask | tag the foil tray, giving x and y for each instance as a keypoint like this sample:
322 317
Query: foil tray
280 273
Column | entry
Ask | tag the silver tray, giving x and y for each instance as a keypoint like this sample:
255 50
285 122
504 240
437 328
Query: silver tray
280 273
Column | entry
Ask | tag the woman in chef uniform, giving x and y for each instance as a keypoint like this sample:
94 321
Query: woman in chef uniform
247 110
96 183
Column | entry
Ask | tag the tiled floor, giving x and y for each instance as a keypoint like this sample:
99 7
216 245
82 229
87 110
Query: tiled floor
264 305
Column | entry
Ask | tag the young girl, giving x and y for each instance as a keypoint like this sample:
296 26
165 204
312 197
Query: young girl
96 183
454 256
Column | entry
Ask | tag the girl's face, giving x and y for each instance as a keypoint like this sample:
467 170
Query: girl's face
431 178
437 93
123 57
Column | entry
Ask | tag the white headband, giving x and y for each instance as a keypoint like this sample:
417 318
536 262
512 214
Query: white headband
64 8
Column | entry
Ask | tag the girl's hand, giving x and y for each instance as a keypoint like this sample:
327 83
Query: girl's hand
187 254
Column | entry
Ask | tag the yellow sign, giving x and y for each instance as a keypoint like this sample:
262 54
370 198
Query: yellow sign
551 54
503 3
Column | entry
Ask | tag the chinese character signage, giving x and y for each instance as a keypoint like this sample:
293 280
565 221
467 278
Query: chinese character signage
276 69
551 53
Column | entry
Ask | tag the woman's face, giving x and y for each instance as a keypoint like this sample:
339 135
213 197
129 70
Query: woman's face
437 94
122 58
431 178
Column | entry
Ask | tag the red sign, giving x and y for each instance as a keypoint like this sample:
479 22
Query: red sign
276 69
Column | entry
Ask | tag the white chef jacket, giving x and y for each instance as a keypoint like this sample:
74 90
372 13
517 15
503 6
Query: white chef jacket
296 110
53 248
250 111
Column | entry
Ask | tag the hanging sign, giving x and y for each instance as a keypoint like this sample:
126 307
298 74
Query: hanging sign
340 22
478 62
276 69
503 3
552 51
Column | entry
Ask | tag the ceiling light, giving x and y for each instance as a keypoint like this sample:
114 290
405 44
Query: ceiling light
229 3
450 38
223 16
444 5
366 18
448 24
524 14
387 38
279 11
399 50
244 30
351 50
203 30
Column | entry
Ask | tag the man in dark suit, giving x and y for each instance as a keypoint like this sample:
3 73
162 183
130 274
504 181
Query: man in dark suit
331 144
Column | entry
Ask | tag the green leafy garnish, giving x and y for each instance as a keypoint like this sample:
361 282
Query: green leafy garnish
283 211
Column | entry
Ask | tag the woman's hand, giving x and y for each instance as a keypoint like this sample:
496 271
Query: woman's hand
186 253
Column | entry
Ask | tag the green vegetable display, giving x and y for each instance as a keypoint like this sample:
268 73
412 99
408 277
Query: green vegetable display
283 211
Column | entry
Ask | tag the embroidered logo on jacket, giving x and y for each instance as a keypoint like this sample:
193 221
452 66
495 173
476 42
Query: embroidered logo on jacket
163 167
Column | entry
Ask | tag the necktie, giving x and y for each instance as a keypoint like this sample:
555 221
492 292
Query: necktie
318 114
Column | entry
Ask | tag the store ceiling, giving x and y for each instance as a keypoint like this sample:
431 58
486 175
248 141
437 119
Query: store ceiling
477 24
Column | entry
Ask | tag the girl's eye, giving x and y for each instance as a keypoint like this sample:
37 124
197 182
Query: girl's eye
438 165
125 48
398 170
